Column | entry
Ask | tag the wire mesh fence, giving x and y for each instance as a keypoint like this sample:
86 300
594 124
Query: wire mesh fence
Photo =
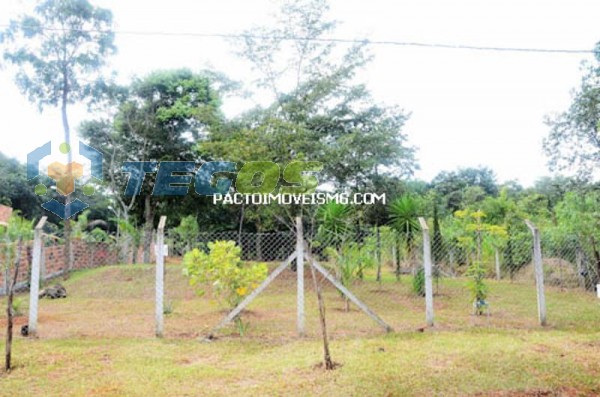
381 267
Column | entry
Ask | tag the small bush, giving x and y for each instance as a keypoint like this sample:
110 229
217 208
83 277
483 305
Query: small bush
168 308
223 271
418 283
17 307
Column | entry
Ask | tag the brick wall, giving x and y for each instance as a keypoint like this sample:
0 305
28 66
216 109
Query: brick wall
86 255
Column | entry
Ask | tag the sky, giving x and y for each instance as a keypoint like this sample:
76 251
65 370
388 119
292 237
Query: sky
468 108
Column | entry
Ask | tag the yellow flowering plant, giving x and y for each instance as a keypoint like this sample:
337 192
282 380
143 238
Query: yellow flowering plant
223 271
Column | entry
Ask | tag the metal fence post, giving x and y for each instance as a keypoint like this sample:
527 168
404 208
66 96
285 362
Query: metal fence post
160 277
300 274
34 287
539 272
427 264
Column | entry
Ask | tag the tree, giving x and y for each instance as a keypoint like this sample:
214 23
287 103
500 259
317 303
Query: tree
464 186
15 190
318 112
60 51
572 143
158 118
579 215
12 236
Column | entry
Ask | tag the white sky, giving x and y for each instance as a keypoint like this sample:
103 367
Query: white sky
468 108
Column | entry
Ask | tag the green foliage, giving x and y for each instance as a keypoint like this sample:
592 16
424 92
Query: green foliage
350 261
572 143
169 308
12 234
187 232
335 223
476 285
97 235
466 186
404 212
17 307
59 51
15 190
322 115
418 282
229 278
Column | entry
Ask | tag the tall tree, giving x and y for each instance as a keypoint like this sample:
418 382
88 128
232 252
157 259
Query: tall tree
318 110
573 143
158 118
60 51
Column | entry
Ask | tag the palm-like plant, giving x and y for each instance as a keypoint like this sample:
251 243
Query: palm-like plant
335 223
404 212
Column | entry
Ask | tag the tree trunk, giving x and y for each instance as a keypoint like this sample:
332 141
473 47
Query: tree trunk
9 311
68 259
594 277
242 213
326 354
148 227
378 255
398 248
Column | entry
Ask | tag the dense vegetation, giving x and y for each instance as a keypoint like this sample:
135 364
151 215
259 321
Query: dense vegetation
326 115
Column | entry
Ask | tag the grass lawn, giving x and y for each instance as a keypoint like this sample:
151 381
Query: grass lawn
99 341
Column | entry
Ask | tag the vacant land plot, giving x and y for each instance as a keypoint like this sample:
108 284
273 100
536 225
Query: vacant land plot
99 341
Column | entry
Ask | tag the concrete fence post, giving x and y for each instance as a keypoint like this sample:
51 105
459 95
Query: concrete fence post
34 287
497 261
539 272
160 277
300 274
427 264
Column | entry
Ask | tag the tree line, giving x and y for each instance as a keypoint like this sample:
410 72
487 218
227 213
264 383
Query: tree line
317 111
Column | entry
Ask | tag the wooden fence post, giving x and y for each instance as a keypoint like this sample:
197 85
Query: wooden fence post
539 272
300 274
160 277
427 264
34 287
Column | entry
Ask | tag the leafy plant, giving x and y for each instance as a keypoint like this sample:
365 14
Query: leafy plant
12 236
17 307
169 308
187 232
404 212
349 262
477 286
223 271
418 282
130 239
334 223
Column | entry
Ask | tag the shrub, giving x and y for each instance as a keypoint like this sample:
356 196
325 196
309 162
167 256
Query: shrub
223 271
17 307
350 261
418 283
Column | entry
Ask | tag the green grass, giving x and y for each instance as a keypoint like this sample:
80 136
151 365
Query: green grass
99 341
